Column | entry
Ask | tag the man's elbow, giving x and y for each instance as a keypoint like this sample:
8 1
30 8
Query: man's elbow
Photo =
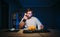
21 24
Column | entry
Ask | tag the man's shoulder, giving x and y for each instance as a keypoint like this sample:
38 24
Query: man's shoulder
34 17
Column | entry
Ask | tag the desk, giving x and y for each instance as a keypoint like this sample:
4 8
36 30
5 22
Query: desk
52 33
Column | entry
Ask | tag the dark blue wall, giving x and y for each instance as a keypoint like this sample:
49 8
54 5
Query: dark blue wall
13 6
0 15
48 12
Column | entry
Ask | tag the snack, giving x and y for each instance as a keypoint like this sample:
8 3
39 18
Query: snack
32 28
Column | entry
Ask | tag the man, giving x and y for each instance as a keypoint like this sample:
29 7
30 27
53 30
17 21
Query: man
30 22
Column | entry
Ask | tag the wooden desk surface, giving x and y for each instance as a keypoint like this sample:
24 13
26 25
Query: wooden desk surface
52 33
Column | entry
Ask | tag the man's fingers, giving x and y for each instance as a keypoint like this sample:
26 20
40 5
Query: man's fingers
41 26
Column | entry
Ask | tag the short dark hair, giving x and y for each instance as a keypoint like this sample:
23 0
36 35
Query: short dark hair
28 10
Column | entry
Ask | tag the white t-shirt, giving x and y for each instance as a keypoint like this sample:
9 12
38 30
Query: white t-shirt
32 21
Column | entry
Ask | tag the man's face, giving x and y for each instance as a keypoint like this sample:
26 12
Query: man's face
29 13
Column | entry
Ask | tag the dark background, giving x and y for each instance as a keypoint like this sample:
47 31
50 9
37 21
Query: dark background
47 11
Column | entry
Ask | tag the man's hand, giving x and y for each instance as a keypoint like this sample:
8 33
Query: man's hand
41 27
25 17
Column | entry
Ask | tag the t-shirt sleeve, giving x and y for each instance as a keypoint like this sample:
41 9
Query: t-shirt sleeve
38 23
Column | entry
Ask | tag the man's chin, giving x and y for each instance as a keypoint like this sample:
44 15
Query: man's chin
29 17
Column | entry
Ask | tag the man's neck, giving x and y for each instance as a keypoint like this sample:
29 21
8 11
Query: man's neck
29 17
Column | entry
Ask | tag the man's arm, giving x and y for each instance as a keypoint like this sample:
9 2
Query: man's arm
39 24
22 23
